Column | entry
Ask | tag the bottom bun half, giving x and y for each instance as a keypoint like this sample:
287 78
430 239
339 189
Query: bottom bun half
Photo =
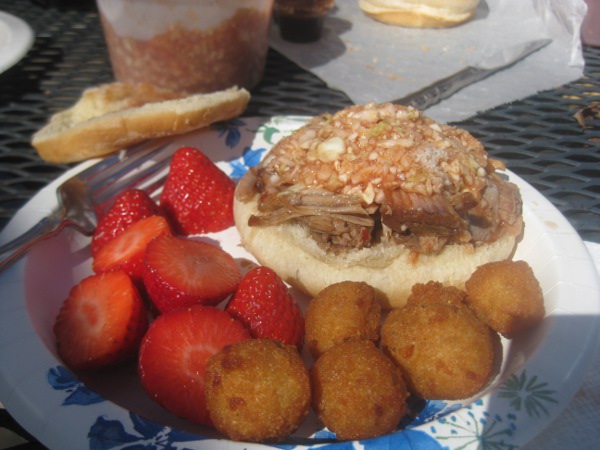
390 268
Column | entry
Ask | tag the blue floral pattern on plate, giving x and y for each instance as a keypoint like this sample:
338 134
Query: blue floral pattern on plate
62 379
108 434
447 425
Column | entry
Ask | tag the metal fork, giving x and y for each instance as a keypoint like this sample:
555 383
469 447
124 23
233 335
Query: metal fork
90 192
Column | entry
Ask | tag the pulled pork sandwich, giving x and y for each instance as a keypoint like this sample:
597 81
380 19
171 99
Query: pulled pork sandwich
377 193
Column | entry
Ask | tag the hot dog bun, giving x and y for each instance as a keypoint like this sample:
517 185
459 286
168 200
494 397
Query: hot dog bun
420 13
114 116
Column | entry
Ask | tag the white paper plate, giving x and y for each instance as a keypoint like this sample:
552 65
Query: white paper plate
16 38
541 371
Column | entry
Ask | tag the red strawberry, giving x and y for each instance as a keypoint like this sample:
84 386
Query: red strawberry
173 356
264 304
181 272
126 251
129 207
197 196
101 323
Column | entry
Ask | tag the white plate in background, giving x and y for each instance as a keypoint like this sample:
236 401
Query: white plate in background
16 38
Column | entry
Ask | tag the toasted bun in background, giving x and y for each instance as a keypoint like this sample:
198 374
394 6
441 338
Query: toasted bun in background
390 269
420 13
114 116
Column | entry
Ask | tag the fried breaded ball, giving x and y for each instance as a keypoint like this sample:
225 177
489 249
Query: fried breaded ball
435 292
258 390
506 295
358 392
443 352
342 311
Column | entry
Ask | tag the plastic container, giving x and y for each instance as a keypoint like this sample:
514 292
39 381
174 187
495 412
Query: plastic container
187 45
590 28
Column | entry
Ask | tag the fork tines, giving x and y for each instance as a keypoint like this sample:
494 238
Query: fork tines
142 166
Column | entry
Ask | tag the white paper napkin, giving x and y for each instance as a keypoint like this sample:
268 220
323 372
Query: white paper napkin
371 61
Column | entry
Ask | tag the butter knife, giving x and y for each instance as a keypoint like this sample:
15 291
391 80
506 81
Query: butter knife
444 88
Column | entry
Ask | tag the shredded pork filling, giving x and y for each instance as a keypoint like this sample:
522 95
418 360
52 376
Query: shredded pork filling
385 169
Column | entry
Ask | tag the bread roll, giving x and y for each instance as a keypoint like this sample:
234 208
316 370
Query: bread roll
420 13
391 269
114 116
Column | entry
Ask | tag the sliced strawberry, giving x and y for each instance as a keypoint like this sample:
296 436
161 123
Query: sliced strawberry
126 251
173 356
129 207
101 323
181 272
264 304
197 196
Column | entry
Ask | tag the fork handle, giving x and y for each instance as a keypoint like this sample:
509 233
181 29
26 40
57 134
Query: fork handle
47 227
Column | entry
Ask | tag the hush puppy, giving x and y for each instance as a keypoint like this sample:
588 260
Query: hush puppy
436 292
443 352
358 393
258 390
342 311
506 295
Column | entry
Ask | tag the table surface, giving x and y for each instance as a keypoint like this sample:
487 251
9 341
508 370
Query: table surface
538 137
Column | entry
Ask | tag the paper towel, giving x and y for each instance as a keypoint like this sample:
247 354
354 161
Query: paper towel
372 61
